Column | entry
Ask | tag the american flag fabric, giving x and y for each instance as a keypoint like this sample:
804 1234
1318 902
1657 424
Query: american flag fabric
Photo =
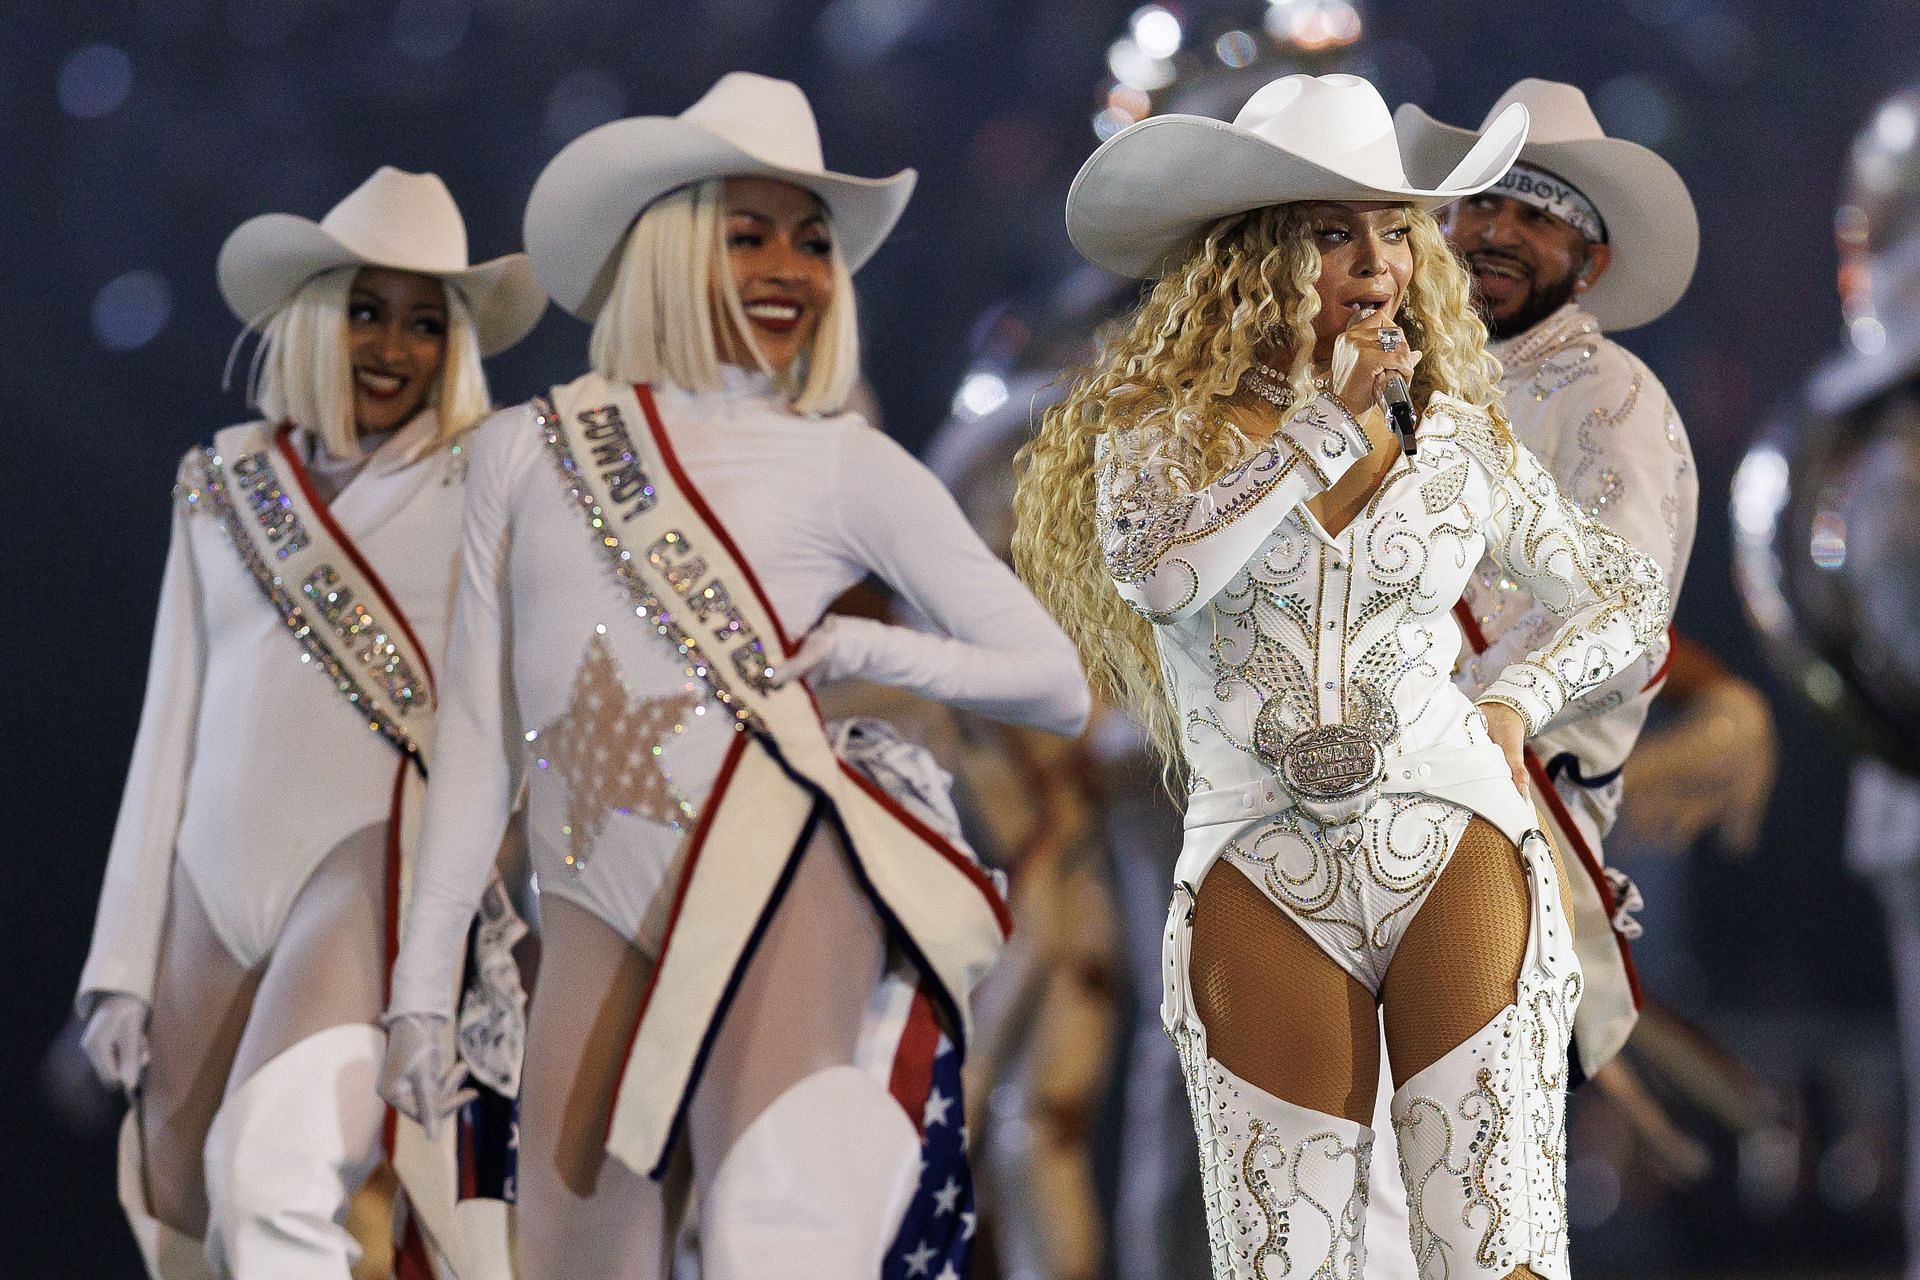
936 1235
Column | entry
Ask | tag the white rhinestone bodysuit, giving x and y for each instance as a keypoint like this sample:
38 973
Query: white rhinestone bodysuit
1268 627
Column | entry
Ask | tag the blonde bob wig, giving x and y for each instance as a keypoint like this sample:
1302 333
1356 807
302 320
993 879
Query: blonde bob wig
657 324
302 373
1244 295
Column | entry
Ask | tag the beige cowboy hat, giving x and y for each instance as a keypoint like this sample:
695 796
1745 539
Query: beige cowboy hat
1142 197
403 221
1651 224
747 125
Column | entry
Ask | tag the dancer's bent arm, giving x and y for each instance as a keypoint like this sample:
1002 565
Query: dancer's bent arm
1635 473
133 898
1613 598
998 653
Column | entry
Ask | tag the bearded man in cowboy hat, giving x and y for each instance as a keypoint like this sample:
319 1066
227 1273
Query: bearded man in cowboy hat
1585 235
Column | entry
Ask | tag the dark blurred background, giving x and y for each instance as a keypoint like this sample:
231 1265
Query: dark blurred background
138 134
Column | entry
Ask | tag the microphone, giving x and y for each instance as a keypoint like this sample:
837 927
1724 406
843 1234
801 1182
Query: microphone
1400 411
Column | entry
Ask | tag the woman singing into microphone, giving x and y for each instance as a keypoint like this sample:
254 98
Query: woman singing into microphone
1221 517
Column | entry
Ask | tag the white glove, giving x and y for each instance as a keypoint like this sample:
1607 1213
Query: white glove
115 1040
839 647
420 1077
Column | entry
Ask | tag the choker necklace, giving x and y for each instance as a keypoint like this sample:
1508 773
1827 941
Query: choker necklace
1270 385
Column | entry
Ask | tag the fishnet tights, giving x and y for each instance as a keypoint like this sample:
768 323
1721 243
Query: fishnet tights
1281 1015
1459 960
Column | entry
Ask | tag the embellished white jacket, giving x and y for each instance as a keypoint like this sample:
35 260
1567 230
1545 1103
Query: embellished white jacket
1269 627
1605 428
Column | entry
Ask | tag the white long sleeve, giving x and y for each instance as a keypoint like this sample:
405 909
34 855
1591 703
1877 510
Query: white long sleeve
470 785
1170 546
1612 597
1606 430
999 654
133 897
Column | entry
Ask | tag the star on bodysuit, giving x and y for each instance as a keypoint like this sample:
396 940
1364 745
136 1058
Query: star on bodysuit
609 746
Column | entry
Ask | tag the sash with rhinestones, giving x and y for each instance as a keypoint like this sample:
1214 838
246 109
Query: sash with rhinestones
333 604
688 587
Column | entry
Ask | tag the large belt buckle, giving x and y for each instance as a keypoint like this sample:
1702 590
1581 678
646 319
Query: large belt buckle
1333 772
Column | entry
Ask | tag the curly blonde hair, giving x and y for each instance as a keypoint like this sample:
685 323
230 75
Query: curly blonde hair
1245 293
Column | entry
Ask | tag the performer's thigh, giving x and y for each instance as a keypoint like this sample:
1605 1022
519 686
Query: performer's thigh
582 1214
1458 963
1279 1013
201 997
328 968
800 1005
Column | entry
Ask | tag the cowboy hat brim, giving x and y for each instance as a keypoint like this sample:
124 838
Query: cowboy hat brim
1651 224
588 196
267 258
1143 196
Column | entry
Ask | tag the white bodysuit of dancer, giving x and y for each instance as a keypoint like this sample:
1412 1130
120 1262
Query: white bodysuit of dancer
249 766
249 772
550 680
544 644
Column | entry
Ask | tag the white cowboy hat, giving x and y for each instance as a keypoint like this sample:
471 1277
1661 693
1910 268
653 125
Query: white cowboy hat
747 125
1651 224
1152 187
405 221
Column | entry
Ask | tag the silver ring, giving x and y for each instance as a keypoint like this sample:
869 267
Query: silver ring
1389 339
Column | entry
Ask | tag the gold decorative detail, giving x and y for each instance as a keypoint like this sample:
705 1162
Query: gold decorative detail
1437 493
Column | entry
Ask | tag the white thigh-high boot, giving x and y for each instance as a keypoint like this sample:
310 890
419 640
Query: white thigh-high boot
1483 1131
169 1255
816 1186
1286 1188
1388 1257
287 1150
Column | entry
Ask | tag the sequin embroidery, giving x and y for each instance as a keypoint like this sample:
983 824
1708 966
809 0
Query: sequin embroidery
748 660
276 516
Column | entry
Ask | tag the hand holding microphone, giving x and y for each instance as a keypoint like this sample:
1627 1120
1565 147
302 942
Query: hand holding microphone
1373 365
